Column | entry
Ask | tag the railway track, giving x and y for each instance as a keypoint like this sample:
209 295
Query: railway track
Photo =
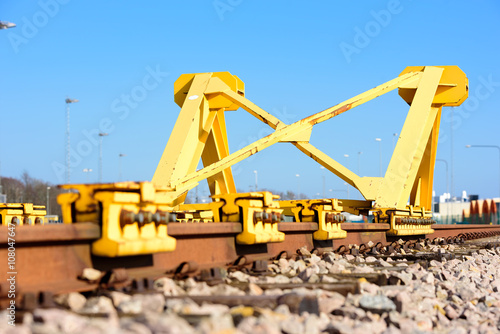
357 284
51 259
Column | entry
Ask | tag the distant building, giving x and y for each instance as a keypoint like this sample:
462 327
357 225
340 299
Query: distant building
465 209
450 212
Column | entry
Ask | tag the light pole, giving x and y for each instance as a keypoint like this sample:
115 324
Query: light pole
255 172
359 155
447 189
298 185
347 165
48 201
379 154
343 190
68 142
452 169
446 164
87 171
101 134
491 146
120 156
6 25
0 180
324 177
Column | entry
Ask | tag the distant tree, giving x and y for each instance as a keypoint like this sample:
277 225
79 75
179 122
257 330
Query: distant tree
35 191
30 190
13 188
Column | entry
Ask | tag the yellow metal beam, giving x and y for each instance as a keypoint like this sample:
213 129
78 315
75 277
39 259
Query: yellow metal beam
426 171
184 147
395 189
286 133
215 149
218 87
367 186
200 133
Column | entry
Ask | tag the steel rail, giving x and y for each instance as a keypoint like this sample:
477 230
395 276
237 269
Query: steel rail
51 258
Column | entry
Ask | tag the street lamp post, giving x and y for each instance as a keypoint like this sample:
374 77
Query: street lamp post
359 155
298 185
343 190
0 181
48 201
346 156
347 165
447 190
491 146
255 172
68 142
446 164
101 135
452 169
380 154
87 171
324 178
120 156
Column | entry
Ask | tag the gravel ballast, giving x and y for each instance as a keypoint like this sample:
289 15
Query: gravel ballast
461 295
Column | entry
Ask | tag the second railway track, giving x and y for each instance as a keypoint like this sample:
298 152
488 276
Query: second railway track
51 259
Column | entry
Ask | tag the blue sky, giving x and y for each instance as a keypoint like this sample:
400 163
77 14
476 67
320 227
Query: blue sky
290 54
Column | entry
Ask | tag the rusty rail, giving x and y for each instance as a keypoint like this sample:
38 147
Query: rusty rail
50 258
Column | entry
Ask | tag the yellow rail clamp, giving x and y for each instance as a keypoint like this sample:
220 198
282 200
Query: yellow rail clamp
22 214
412 221
133 219
256 210
326 212
197 212
193 216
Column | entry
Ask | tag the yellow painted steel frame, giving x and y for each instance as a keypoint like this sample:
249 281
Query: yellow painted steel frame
22 214
326 212
258 211
200 133
132 217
